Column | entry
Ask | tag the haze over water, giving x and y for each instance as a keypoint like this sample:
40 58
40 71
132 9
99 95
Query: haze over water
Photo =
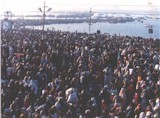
130 28
24 7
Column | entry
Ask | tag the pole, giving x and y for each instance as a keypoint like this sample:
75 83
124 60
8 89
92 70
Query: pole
44 13
90 20
43 10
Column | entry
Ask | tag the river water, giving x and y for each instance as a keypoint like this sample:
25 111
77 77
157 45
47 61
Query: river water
130 28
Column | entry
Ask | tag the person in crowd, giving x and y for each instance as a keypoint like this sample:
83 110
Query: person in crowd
78 75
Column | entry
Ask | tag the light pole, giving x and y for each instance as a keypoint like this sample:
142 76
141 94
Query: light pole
90 19
44 15
8 15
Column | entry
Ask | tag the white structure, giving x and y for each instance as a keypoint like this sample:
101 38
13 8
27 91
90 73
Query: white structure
6 25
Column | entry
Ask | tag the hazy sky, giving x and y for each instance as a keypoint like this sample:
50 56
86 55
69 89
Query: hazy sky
73 5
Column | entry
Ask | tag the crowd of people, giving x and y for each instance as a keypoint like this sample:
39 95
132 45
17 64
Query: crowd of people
78 75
